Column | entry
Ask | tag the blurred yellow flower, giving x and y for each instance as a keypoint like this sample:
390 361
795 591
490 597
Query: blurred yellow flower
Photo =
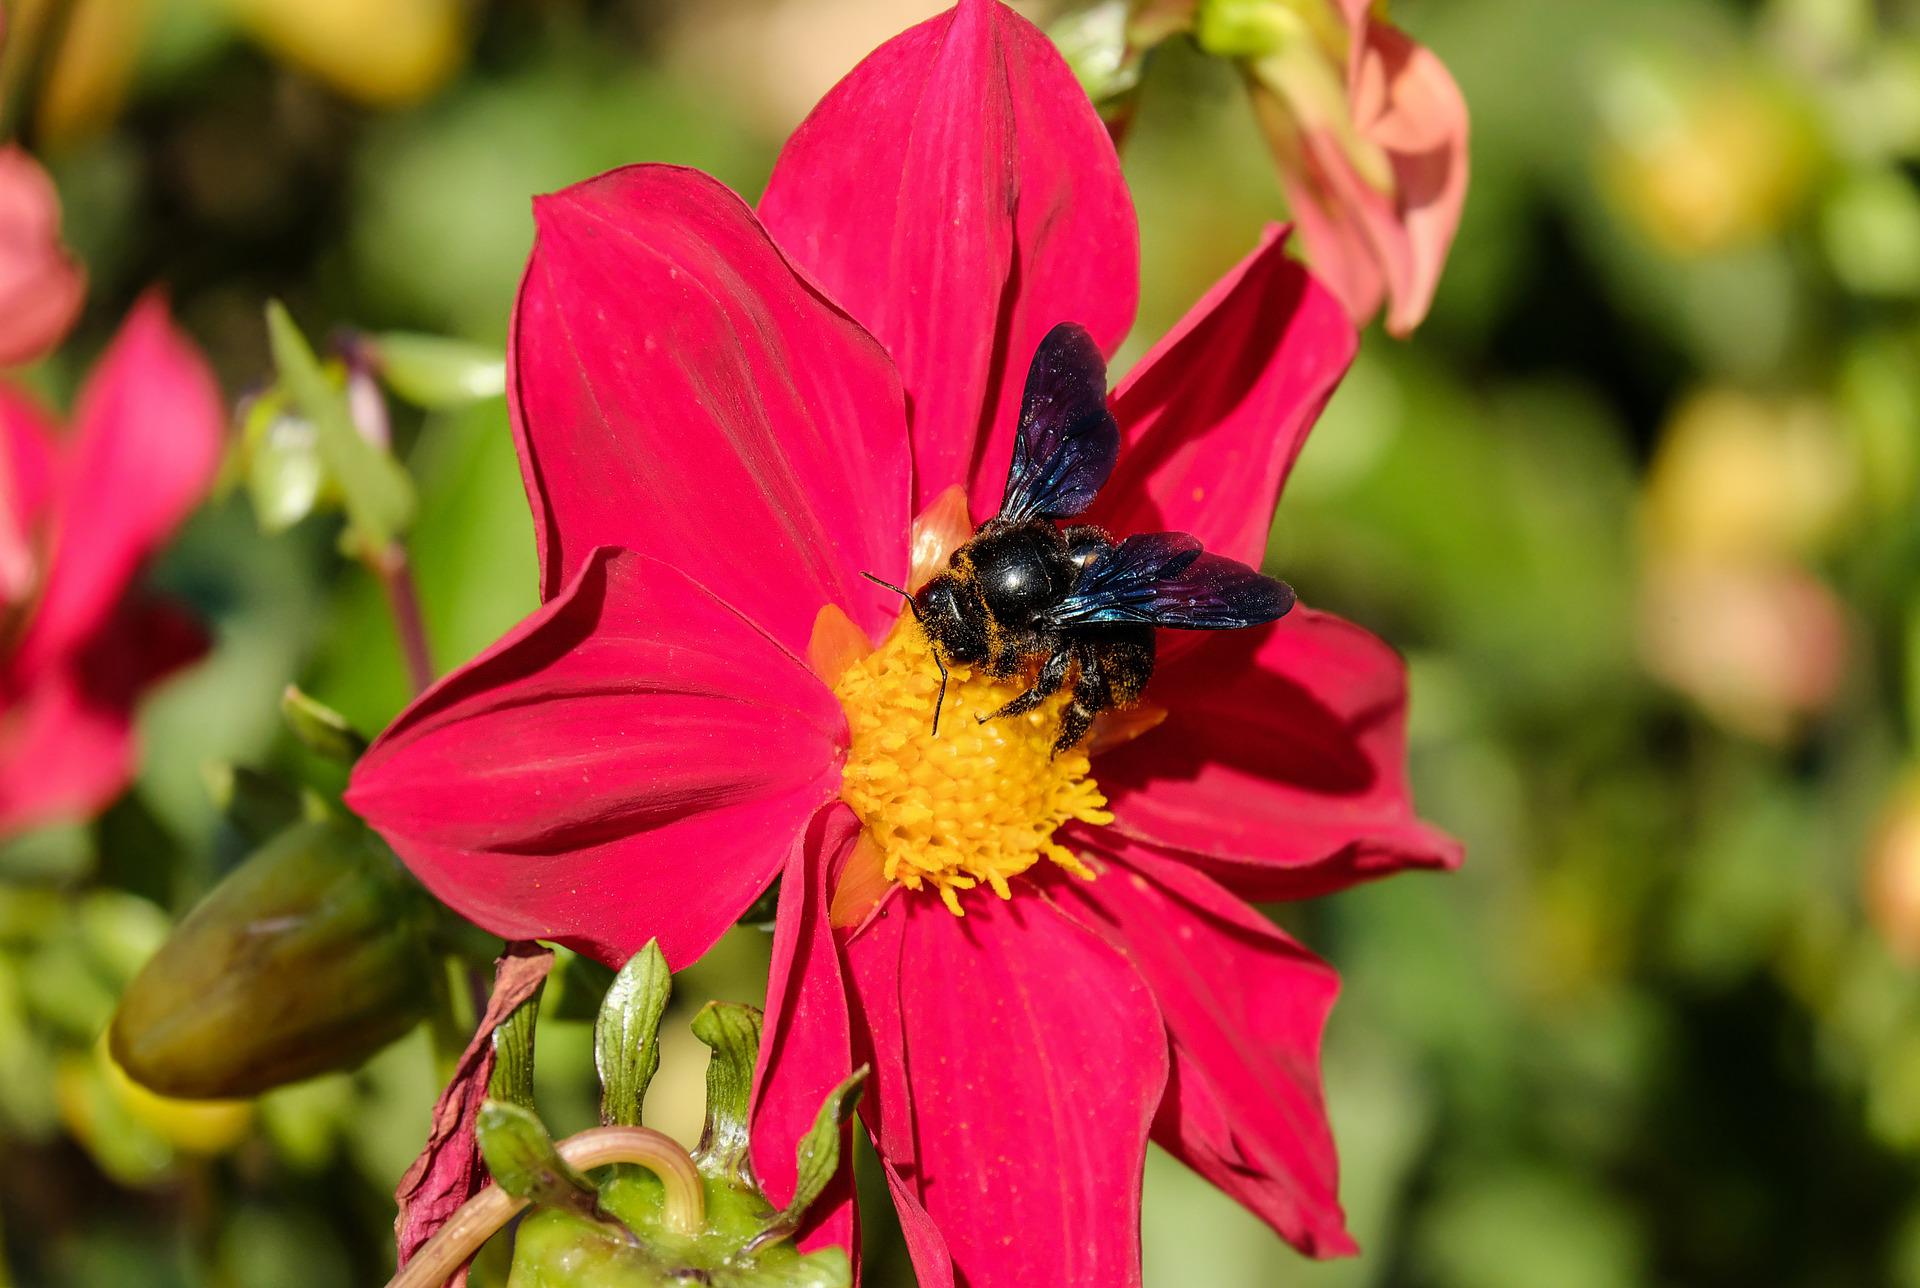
384 53
1738 476
1702 161
190 1126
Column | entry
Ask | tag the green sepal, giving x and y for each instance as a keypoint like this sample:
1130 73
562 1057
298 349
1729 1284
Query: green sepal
438 373
818 1154
559 1250
320 728
522 1159
626 1037
512 1077
732 1031
1257 28
375 489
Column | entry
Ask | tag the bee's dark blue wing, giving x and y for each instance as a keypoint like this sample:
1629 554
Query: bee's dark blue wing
1067 442
1166 579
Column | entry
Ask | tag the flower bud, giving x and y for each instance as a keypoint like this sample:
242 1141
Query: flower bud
309 957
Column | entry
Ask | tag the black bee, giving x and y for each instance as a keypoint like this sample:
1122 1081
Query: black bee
1024 589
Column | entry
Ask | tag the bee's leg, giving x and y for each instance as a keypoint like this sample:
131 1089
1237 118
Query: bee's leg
1053 674
1091 696
1126 660
940 698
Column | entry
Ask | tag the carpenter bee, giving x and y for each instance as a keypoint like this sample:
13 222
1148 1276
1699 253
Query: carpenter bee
1082 605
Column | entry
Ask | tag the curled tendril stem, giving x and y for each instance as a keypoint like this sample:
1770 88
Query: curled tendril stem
479 1217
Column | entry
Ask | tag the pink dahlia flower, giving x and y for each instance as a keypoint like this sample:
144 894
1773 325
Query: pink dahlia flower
1373 158
41 285
79 514
724 420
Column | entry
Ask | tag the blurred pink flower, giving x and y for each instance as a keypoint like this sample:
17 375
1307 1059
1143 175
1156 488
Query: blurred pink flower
723 421
41 285
1376 173
79 513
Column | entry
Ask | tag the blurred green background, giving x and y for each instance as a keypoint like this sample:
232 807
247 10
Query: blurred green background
1638 502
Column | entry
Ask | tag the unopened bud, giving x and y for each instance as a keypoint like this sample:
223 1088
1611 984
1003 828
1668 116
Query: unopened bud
309 957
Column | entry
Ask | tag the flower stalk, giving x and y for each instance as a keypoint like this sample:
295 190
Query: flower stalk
395 572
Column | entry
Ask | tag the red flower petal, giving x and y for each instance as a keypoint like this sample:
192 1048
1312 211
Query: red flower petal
1281 765
1215 415
27 466
147 443
633 760
806 1049
66 732
679 390
958 193
1018 1065
1244 1006
41 285
932 1262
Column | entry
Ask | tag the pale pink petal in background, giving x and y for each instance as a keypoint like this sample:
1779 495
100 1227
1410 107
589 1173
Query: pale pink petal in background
41 285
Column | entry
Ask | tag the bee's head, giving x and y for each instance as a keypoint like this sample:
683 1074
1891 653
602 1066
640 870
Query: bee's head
952 616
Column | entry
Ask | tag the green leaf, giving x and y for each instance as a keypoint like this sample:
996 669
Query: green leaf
258 805
512 1078
323 730
733 1032
438 373
626 1037
819 1150
376 490
1096 44
522 1158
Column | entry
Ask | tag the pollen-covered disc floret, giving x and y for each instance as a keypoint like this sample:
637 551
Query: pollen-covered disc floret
979 803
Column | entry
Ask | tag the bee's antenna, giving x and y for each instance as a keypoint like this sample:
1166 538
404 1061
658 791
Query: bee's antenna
887 585
914 608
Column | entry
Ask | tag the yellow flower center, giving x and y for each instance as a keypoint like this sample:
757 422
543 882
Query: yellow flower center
979 803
